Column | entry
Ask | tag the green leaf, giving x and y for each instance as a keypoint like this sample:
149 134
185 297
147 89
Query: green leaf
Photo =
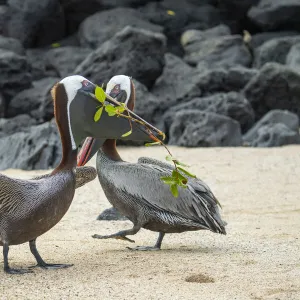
179 178
169 158
120 109
181 164
100 94
174 190
186 172
127 133
98 114
152 144
169 180
110 109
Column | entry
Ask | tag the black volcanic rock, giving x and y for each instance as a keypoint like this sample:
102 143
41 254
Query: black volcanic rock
2 106
76 11
293 58
147 105
260 38
14 74
234 13
135 52
176 84
36 101
177 16
274 87
11 44
224 51
16 124
64 60
36 57
102 26
111 214
233 105
223 80
35 23
275 50
191 36
39 148
195 128
276 14
276 128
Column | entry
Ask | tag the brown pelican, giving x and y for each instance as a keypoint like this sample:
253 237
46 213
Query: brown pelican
29 208
136 190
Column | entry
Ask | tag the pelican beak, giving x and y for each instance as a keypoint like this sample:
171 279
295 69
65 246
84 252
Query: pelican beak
82 111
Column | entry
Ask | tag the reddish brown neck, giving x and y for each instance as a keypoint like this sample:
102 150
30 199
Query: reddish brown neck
60 100
110 149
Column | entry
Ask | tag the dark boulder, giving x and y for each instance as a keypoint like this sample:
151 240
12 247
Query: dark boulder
177 16
39 65
176 84
233 105
276 14
275 50
15 74
224 80
3 17
11 44
16 124
224 51
274 136
111 214
195 128
35 23
293 58
102 26
195 35
76 11
234 13
36 101
147 105
276 128
135 52
274 87
2 106
65 59
122 3
260 38
39 148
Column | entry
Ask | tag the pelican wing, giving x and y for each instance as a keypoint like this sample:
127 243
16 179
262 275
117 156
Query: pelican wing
142 181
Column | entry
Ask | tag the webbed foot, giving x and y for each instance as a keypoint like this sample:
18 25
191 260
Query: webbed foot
117 237
17 271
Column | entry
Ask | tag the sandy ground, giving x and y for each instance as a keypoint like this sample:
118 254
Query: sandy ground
259 258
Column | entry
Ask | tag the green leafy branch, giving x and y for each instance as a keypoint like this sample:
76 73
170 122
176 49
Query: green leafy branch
179 174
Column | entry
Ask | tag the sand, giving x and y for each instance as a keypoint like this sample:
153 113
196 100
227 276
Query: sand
259 258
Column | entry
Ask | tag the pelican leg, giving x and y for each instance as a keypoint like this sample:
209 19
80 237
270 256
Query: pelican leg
121 235
7 269
40 262
156 247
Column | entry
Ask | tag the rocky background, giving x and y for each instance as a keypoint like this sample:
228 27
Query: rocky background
207 72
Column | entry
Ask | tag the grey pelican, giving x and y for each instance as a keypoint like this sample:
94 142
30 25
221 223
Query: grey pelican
29 208
137 192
